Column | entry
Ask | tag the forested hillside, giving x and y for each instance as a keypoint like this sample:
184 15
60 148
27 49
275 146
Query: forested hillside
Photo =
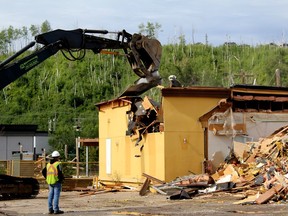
60 94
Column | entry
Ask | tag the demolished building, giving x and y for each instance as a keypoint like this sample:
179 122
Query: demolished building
189 127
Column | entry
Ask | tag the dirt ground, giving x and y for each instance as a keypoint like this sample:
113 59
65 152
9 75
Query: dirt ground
131 203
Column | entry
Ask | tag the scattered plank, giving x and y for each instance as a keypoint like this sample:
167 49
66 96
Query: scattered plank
263 198
145 187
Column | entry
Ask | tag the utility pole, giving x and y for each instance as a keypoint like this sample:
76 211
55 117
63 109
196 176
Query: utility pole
278 77
77 156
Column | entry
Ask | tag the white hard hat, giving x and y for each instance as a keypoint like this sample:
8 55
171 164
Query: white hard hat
55 154
172 77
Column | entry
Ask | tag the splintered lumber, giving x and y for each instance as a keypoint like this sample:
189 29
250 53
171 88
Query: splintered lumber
145 187
240 148
195 180
268 194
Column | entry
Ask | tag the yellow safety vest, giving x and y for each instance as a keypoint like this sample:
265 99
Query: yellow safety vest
52 173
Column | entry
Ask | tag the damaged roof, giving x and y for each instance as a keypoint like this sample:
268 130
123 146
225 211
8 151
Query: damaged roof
118 101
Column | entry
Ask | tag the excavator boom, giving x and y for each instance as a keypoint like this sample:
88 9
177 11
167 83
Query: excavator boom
143 54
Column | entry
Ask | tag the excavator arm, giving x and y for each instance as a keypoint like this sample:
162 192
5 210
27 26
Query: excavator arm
143 54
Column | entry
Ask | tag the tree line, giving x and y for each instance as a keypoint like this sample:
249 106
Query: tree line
60 95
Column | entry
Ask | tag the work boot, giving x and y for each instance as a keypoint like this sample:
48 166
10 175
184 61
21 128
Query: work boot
50 211
59 212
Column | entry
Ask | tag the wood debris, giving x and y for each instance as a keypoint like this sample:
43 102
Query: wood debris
258 169
104 188
144 117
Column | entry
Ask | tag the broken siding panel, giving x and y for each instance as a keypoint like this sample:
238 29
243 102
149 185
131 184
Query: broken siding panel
218 148
219 129
226 123
258 126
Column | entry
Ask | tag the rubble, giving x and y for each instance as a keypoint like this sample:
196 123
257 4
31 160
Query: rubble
143 118
258 170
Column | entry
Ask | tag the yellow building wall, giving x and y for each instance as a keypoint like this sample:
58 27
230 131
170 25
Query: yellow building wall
184 136
127 162
153 155
112 126
177 151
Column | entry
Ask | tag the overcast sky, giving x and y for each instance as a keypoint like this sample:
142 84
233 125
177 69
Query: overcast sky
243 21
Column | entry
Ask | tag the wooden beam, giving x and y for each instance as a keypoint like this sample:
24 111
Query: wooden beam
153 178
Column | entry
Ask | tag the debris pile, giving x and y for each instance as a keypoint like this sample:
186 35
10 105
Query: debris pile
259 170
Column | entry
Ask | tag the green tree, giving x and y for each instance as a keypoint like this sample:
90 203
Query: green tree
34 30
150 29
45 27
62 91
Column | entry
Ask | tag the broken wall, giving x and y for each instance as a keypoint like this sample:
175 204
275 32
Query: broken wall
252 126
119 158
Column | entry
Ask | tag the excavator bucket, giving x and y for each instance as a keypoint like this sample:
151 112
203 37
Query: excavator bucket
144 59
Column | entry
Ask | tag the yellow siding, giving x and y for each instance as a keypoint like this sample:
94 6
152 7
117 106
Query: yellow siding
128 162
153 155
113 121
182 113
177 151
183 157
113 125
184 136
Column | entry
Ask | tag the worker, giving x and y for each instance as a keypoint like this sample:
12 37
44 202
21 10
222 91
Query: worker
174 82
54 178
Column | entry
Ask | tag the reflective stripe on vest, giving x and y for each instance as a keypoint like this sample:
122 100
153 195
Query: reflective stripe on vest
52 173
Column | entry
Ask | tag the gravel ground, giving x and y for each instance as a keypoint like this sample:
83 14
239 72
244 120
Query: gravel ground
131 203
